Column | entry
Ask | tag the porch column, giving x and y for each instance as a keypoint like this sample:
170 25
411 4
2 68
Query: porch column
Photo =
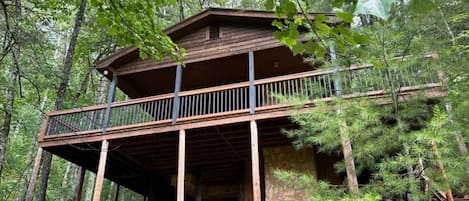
110 99
177 88
336 70
34 173
101 168
256 184
181 165
252 89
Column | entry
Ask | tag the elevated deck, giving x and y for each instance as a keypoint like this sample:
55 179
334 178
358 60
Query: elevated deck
143 133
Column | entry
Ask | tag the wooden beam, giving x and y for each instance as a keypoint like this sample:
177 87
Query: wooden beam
79 188
252 89
34 173
181 165
256 184
177 89
101 168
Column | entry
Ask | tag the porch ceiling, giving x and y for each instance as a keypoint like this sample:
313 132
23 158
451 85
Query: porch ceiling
215 153
216 72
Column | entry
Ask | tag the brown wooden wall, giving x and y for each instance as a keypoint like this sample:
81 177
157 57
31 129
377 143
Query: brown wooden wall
235 39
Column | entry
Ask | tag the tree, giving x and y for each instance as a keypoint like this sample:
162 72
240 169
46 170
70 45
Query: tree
47 157
397 30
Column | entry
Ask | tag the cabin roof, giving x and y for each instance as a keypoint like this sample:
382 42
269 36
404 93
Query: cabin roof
202 19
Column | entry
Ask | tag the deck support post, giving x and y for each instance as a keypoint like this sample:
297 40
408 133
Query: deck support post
177 88
110 99
79 188
34 173
252 89
181 165
256 184
101 168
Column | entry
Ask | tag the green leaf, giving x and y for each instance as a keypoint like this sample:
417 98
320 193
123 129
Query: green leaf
278 24
298 48
422 6
269 4
376 63
345 16
323 29
320 18
310 47
378 8
360 38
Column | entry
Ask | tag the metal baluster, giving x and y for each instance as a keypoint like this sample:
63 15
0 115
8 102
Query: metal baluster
329 84
229 99
202 99
197 104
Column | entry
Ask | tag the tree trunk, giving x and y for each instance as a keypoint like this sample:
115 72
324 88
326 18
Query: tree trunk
47 160
459 138
90 187
10 89
439 165
352 180
181 10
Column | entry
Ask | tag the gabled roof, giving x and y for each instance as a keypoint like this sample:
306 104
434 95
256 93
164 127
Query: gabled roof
190 24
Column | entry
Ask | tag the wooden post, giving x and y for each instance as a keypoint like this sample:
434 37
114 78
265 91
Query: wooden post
79 188
252 89
101 168
110 99
177 88
181 165
256 184
34 173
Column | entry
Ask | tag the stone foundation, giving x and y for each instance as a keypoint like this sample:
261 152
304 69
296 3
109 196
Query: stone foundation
286 158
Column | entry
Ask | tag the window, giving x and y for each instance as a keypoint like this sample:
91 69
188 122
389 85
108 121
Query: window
214 32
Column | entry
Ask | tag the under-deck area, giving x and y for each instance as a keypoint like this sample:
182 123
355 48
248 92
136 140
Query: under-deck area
217 160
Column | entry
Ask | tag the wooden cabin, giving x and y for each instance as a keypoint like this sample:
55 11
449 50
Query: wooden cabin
210 130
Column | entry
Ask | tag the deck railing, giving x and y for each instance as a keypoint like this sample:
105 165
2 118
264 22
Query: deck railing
234 98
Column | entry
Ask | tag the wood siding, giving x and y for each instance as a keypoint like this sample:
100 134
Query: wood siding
235 39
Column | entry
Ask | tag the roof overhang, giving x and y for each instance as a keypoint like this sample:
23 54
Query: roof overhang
197 21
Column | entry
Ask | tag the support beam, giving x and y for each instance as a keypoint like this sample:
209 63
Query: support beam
177 89
98 187
110 99
181 165
256 184
79 188
34 173
252 89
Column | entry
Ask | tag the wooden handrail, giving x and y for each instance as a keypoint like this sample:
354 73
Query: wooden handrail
206 90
